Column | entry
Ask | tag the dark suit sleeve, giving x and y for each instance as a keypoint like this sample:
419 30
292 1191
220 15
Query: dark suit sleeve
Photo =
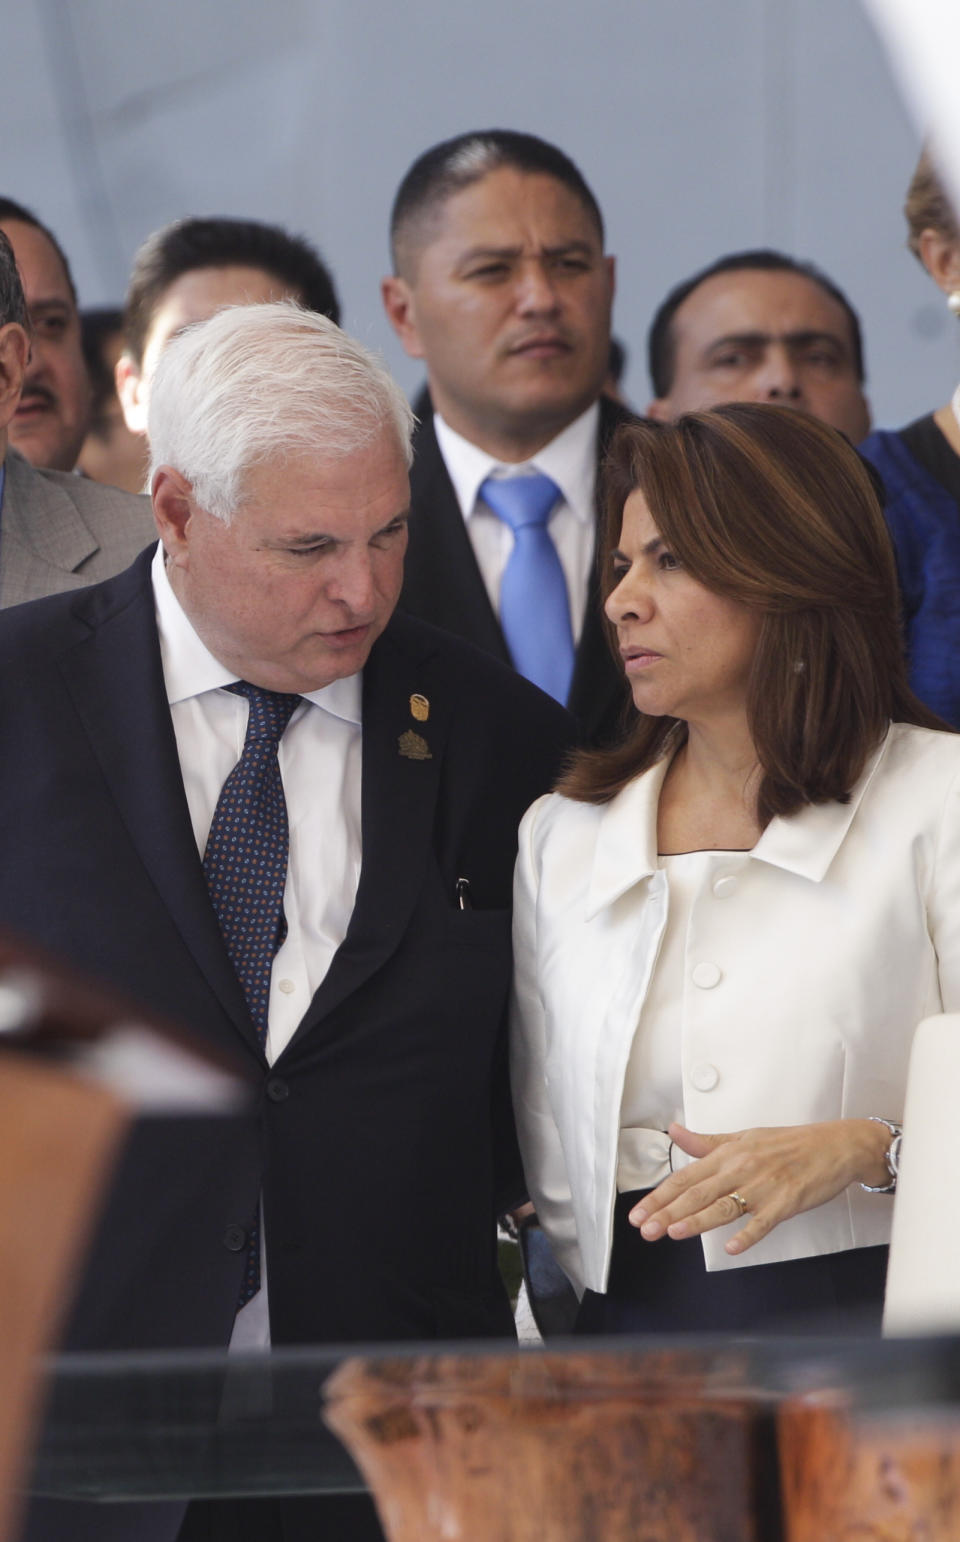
520 748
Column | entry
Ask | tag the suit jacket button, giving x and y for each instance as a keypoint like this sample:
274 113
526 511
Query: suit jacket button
277 1089
235 1239
707 975
704 1076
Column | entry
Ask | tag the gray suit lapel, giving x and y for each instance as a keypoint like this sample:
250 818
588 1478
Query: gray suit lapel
43 537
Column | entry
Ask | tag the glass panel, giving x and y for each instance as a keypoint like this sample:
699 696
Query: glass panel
188 1423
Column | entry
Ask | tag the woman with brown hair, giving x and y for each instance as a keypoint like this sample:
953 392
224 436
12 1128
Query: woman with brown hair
920 466
728 927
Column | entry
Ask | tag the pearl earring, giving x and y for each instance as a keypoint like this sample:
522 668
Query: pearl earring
953 301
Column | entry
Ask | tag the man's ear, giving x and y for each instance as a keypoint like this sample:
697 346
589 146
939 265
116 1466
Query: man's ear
130 390
398 302
14 353
171 495
660 410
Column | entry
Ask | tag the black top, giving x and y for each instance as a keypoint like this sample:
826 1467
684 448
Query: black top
929 445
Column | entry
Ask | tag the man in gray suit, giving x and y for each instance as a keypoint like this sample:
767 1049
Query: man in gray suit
57 531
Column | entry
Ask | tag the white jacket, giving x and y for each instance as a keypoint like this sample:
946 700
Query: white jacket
809 962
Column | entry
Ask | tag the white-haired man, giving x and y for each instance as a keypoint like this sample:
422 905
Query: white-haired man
277 813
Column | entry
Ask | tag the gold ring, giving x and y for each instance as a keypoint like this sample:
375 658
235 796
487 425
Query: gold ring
740 1202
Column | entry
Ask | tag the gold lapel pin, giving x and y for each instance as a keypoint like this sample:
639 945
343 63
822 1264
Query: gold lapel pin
419 707
413 746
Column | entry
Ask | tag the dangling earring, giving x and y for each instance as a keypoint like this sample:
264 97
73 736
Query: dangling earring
953 301
799 665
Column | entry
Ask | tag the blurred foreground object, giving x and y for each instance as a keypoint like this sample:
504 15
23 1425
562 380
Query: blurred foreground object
868 1440
784 1440
574 1447
57 1138
78 1063
814 1441
922 39
923 1278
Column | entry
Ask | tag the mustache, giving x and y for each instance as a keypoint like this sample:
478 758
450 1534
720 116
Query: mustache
38 393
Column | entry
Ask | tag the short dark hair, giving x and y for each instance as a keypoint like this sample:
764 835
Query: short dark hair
456 163
220 242
773 509
661 344
13 306
11 210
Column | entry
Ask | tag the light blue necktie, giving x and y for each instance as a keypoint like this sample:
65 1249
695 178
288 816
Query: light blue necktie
534 604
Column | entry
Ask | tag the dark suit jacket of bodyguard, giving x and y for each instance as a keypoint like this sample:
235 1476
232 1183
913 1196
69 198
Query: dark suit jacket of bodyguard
382 1132
443 583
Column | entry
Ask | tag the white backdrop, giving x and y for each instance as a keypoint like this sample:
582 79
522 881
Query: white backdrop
703 125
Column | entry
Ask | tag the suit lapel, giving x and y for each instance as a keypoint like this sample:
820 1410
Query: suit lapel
443 582
115 677
42 531
402 758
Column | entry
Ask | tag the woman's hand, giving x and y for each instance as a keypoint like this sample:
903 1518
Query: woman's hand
777 1173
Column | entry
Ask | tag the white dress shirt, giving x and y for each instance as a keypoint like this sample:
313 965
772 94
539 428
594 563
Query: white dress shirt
320 763
570 460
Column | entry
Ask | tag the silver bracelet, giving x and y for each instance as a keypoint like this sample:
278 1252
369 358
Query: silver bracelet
891 1156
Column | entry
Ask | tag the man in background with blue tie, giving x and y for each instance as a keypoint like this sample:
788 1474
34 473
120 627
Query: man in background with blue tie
502 287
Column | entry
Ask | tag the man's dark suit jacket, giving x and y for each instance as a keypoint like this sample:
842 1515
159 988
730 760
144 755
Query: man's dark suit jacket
375 1121
381 1138
443 583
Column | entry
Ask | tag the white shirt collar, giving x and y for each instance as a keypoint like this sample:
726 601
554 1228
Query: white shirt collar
570 460
190 669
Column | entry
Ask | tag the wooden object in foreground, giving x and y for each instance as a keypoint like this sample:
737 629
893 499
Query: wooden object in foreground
606 1446
846 1480
58 1135
95 1059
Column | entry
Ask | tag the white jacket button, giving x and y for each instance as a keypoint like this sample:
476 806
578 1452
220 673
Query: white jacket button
724 887
707 976
704 1076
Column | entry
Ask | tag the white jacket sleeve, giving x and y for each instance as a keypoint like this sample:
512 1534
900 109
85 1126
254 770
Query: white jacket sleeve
540 1146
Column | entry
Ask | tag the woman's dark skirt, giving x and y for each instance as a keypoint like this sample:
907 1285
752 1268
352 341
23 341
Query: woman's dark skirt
663 1287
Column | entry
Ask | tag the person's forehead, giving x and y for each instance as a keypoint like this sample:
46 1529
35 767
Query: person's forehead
338 495
637 518
506 207
754 300
41 269
201 292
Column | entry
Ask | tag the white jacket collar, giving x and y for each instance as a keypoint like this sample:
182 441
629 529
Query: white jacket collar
626 847
804 843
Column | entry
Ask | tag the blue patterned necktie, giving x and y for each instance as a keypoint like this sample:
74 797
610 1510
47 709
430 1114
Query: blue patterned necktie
245 865
534 604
